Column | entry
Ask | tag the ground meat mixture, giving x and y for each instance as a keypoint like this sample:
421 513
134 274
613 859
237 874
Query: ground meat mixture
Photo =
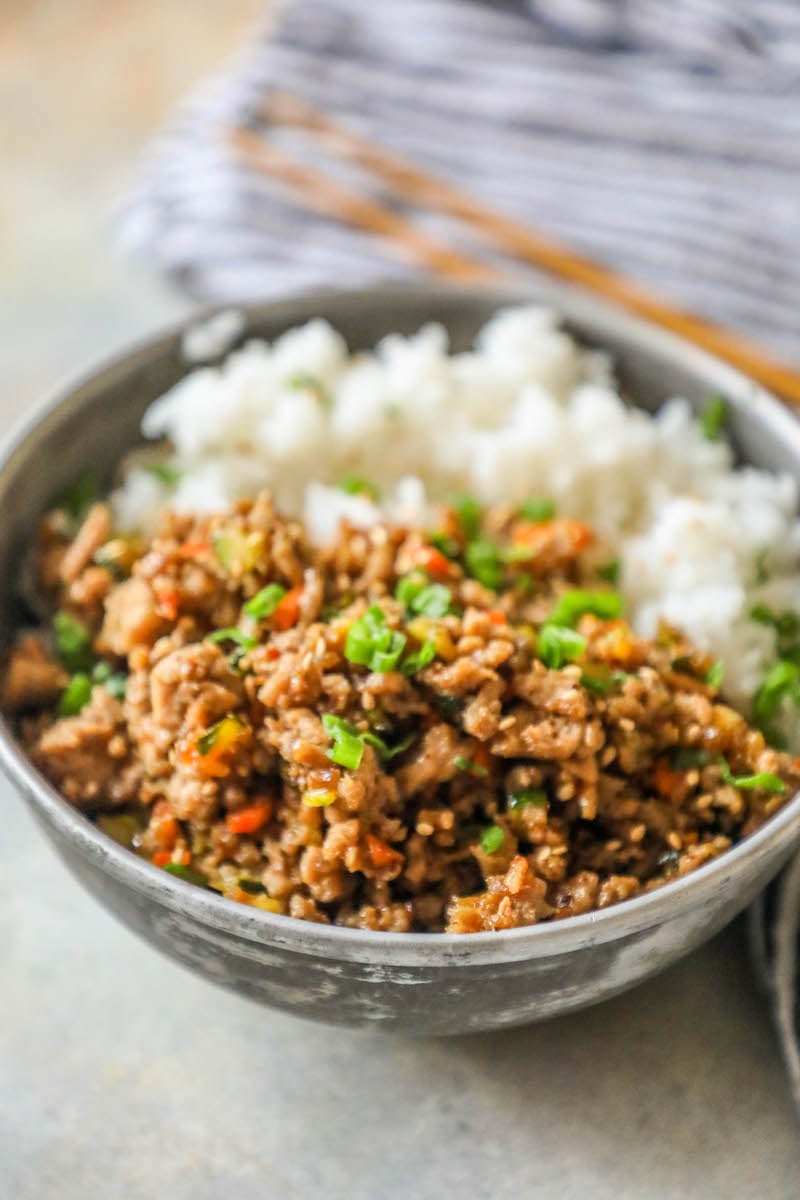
450 729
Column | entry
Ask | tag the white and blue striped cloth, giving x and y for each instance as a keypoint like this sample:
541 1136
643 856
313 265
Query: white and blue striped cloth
659 136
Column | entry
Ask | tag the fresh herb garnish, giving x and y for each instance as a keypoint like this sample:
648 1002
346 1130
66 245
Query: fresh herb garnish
72 641
81 496
165 472
559 645
423 598
417 660
575 604
713 417
243 642
301 381
355 485
371 643
485 563
348 747
115 682
75 695
689 758
253 887
785 624
538 509
526 796
384 751
611 571
448 546
466 764
492 839
715 673
780 681
470 516
264 603
765 781
187 873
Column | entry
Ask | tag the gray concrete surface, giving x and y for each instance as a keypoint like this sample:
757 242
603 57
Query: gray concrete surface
124 1078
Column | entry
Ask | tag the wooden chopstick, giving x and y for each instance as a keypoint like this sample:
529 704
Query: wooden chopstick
514 238
333 199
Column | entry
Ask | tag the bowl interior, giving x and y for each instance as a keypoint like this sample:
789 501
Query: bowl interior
93 423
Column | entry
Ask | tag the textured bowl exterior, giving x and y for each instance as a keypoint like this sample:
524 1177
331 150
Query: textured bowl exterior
420 984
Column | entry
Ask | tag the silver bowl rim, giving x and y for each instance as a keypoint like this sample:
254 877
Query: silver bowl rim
246 924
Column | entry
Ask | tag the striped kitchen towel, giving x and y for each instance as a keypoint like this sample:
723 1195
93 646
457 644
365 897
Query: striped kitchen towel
667 146
662 138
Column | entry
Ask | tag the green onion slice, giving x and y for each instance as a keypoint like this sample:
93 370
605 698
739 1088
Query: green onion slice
348 747
75 695
492 839
538 509
559 645
355 485
575 604
526 796
264 603
371 643
73 642
765 781
713 416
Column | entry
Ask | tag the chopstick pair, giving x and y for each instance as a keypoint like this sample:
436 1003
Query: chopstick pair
324 194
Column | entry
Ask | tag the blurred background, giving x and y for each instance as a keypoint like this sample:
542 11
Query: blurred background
84 85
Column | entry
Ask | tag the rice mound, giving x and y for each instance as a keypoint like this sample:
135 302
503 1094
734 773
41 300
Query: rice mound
526 412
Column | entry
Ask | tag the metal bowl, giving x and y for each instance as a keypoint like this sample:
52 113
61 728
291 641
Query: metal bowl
417 983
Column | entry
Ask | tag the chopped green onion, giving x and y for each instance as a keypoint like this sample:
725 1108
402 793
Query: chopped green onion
417 660
611 571
484 562
466 764
785 624
492 839
165 472
301 381
371 643
573 605
780 681
423 598
385 752
449 547
78 500
253 887
73 641
451 706
602 684
688 758
470 516
765 781
713 417
538 509
243 642
348 748
715 674
559 645
354 485
526 796
75 695
187 873
115 682
264 603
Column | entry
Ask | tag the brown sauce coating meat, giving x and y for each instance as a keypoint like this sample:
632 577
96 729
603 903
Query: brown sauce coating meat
489 782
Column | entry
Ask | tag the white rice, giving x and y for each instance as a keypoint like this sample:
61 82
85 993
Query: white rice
526 412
